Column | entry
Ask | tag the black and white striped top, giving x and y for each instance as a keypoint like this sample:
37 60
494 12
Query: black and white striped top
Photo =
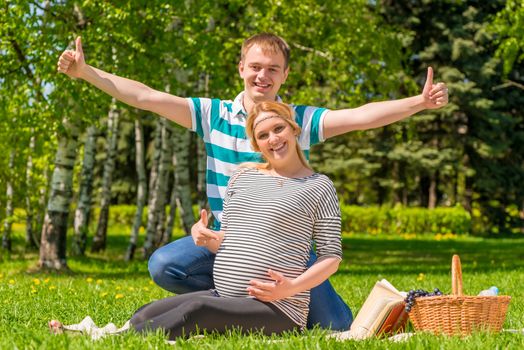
269 223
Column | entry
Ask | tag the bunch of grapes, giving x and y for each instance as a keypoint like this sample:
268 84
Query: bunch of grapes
419 293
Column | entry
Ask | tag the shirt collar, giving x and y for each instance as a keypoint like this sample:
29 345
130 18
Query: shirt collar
238 107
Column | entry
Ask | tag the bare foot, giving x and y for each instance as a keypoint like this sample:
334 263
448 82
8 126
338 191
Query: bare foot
55 327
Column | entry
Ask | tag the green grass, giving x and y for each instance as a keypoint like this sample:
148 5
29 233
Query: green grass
109 290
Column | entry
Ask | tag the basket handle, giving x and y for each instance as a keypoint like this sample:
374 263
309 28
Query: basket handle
456 276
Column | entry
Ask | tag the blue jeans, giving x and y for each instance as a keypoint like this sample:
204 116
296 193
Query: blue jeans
182 267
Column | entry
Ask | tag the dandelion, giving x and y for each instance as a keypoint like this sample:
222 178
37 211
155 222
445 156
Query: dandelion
103 294
1 275
11 281
52 287
151 282
89 280
118 288
99 281
119 296
36 281
47 280
421 277
130 289
146 289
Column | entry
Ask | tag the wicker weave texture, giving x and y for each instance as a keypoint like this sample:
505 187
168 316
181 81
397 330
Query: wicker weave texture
458 314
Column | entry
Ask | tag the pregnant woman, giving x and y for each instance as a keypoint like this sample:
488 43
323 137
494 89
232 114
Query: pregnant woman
273 212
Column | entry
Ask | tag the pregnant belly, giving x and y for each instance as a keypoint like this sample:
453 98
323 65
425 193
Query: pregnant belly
232 274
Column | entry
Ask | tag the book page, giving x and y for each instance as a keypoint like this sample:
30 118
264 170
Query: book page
382 294
387 317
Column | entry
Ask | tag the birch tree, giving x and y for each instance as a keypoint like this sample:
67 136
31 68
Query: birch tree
54 233
182 145
158 187
9 210
83 209
141 195
30 237
99 241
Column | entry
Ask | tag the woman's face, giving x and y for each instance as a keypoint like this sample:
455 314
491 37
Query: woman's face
275 138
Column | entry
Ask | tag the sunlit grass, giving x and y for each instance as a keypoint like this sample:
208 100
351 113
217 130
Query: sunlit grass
110 290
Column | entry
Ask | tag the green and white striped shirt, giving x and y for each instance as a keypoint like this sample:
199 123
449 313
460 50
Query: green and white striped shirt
221 124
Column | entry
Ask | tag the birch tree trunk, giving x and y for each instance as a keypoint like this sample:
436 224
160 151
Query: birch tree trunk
83 210
141 188
99 240
182 142
42 200
157 188
30 237
170 224
153 178
165 169
8 222
54 238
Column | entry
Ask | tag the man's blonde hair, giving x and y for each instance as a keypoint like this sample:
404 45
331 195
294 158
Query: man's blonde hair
269 43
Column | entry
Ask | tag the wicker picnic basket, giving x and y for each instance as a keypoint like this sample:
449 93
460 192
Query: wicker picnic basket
459 314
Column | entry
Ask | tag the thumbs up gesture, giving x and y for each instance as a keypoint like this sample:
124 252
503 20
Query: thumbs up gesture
202 236
435 95
71 62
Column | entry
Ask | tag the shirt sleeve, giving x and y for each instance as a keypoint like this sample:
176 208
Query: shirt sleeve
200 115
311 121
327 226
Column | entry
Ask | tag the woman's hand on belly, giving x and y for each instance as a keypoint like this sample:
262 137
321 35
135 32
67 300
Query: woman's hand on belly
281 288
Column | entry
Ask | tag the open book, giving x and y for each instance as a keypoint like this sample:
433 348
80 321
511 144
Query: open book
383 313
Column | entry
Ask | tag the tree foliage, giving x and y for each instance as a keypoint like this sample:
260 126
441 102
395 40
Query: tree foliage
344 54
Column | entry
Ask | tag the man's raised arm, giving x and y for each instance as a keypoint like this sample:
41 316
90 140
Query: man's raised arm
377 114
131 92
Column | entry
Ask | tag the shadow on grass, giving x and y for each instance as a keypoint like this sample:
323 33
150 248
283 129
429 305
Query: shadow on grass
387 256
363 255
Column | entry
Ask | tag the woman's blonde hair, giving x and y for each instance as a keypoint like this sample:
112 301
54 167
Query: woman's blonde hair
284 112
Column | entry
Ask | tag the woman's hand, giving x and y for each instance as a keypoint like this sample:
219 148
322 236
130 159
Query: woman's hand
284 287
204 237
281 288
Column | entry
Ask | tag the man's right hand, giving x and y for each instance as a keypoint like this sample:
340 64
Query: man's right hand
131 92
202 236
72 62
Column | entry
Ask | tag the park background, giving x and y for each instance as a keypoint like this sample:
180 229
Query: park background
90 187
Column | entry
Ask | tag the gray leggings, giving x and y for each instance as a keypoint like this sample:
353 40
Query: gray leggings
182 314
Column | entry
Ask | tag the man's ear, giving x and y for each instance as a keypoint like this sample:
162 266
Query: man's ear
286 73
241 68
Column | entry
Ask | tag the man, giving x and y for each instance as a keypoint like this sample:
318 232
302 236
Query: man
182 266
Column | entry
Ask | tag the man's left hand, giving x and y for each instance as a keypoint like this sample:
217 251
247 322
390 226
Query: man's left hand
435 95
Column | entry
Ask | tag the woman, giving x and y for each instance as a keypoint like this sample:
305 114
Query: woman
272 212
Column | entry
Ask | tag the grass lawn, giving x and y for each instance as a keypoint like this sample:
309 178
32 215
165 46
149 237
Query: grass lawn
109 290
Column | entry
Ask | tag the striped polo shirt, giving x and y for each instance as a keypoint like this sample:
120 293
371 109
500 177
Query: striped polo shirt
269 223
221 124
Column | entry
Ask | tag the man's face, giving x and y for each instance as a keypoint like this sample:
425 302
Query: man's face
263 74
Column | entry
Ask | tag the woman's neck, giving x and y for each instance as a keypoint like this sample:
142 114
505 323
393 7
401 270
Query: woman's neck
290 169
